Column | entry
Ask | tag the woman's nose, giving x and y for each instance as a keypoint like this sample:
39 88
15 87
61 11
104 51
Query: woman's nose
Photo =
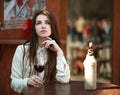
43 25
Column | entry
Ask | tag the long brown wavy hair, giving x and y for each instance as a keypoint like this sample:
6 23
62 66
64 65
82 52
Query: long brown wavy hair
50 67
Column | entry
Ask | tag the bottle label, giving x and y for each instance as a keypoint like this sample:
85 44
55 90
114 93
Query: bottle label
90 77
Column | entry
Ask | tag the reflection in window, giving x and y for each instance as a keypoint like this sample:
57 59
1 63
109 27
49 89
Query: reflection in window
88 21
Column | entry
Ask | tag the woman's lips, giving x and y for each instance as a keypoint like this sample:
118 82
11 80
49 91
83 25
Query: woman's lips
43 31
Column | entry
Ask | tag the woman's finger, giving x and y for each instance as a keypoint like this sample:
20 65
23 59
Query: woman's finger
48 43
35 80
38 80
31 82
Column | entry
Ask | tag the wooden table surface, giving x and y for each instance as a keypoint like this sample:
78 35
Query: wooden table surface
73 88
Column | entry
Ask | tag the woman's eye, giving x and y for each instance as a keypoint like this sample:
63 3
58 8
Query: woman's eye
47 22
38 23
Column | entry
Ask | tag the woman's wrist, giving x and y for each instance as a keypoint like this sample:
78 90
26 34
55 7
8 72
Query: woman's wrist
59 52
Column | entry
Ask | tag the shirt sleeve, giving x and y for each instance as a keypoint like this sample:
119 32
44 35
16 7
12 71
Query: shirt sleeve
63 71
17 80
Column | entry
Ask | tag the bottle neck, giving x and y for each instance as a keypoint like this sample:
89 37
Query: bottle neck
90 52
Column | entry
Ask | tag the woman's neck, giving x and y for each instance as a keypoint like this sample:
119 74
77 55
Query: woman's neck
40 40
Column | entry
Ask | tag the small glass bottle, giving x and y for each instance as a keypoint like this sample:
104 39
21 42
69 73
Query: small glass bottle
90 69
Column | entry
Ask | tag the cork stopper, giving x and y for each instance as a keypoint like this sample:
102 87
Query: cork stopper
90 44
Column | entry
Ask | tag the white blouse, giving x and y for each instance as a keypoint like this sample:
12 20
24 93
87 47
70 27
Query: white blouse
19 77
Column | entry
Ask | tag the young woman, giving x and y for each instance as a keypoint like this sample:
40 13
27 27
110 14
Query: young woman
42 48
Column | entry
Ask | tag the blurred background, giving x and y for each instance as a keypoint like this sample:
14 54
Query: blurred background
79 21
90 20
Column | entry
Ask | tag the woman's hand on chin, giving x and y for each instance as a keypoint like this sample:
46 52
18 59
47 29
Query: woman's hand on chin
51 44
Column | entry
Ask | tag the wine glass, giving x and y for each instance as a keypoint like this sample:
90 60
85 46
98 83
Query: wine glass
39 69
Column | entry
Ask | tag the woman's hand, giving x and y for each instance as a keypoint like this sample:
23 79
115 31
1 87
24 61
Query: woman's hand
51 44
34 80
